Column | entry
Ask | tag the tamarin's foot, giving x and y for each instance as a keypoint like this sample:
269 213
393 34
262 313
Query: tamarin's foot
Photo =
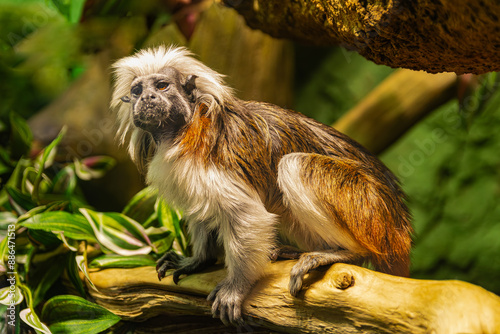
227 298
286 252
169 260
191 265
184 265
313 260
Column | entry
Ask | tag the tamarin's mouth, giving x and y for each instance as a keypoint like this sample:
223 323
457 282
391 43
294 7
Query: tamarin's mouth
150 119
145 118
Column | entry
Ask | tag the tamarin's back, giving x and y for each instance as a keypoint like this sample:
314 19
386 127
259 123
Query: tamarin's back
260 132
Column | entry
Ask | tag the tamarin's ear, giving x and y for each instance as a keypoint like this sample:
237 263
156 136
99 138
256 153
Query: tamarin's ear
125 99
189 86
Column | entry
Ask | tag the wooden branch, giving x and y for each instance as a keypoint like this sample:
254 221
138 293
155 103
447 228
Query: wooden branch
395 105
341 299
444 35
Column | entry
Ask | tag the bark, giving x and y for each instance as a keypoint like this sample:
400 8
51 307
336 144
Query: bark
340 299
432 35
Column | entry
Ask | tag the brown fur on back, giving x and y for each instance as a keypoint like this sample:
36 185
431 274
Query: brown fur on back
248 140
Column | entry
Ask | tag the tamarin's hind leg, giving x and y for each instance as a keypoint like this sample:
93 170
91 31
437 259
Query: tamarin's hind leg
353 209
286 252
313 260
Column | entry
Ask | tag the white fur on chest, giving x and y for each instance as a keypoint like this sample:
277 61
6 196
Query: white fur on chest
212 199
203 193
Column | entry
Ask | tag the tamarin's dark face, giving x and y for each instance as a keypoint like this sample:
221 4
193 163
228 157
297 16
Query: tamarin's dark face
161 102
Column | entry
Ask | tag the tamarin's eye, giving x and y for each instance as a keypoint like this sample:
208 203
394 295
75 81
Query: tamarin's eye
136 90
162 85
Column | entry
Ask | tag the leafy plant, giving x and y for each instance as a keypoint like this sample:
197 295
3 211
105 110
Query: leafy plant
49 228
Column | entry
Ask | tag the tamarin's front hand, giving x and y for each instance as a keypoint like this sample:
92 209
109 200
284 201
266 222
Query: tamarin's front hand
246 174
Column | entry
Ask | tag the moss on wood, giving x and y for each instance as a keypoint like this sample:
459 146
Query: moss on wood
433 35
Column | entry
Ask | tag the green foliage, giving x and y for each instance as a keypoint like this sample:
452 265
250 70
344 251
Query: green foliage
73 226
118 261
449 165
42 209
71 9
18 144
30 78
72 314
20 139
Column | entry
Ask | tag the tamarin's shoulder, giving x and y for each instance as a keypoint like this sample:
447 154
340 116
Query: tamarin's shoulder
274 116
283 118
268 109
271 112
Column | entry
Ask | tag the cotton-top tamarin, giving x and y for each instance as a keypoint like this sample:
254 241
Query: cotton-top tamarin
252 176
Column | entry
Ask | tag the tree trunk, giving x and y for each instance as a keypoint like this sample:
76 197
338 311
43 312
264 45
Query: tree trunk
394 106
461 36
341 299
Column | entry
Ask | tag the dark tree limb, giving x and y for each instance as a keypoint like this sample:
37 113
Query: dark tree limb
461 36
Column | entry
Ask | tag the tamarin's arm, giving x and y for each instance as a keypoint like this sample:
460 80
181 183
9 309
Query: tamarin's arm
204 250
247 231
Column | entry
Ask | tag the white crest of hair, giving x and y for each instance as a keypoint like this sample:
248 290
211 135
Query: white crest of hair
210 87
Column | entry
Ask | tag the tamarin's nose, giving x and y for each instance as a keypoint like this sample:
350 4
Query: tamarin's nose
150 96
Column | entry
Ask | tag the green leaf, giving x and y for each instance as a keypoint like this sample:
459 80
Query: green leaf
73 275
76 10
41 237
93 167
21 136
29 176
130 226
5 164
161 237
75 315
53 206
82 265
74 226
112 234
4 252
142 205
7 296
118 261
171 219
65 181
49 276
14 180
70 243
29 317
7 218
19 201
45 161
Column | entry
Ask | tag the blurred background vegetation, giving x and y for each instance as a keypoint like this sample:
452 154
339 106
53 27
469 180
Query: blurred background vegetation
54 69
